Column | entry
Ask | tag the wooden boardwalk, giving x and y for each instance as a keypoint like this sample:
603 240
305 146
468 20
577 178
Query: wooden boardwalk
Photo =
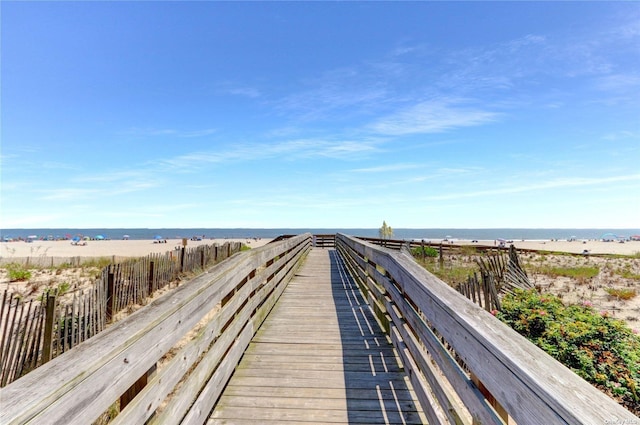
319 358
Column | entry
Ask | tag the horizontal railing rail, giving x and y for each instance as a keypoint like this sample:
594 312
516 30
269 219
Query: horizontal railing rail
460 359
169 361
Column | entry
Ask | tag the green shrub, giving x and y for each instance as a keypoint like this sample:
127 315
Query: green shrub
602 350
17 272
427 251
63 288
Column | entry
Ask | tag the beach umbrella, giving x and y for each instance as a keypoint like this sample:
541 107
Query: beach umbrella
32 237
125 237
157 237
76 238
99 237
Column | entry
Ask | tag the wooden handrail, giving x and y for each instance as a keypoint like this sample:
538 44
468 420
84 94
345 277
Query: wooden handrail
232 297
434 328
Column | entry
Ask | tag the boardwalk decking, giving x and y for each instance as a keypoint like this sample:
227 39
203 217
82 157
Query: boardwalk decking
319 358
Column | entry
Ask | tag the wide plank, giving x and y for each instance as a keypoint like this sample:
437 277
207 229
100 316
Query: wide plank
319 357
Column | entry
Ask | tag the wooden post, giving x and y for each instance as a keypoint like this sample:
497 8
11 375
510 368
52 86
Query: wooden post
441 256
138 386
202 259
422 249
49 319
491 400
182 252
151 267
111 300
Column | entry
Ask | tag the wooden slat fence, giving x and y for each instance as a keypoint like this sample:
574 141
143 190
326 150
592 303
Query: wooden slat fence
181 348
34 332
499 274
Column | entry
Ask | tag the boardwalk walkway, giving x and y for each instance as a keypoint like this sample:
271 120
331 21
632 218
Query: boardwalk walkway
319 358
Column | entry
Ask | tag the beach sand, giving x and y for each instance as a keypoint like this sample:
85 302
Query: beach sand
572 291
140 248
575 247
106 248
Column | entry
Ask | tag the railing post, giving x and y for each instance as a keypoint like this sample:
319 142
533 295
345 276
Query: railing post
491 400
111 299
182 254
151 272
133 391
49 319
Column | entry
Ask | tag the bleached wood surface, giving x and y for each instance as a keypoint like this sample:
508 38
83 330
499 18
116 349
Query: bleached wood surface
76 387
320 357
531 386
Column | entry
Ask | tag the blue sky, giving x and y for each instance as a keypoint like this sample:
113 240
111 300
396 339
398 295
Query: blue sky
318 114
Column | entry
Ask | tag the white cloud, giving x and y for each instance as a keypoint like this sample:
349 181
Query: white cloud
432 117
569 182
620 135
385 168
169 132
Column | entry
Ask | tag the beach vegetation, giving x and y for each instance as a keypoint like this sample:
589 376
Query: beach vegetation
245 247
426 251
451 272
17 272
627 273
386 232
600 349
579 272
98 262
621 293
63 288
468 250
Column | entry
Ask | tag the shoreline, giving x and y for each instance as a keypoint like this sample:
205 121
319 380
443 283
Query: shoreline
143 247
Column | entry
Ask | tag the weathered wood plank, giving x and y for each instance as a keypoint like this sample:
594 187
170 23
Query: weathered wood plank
319 413
320 357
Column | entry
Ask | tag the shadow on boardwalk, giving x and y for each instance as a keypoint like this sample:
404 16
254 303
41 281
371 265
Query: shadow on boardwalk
376 386
319 358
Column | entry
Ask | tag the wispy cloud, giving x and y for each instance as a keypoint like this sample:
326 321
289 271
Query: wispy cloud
619 82
386 168
622 135
285 150
434 116
237 89
84 194
169 132
560 183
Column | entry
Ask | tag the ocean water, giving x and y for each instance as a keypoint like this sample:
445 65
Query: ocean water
219 233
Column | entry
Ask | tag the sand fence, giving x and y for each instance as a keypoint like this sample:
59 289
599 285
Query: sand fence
35 331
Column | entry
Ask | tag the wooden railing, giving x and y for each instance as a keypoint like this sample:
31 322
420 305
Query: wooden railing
186 343
466 366
35 331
